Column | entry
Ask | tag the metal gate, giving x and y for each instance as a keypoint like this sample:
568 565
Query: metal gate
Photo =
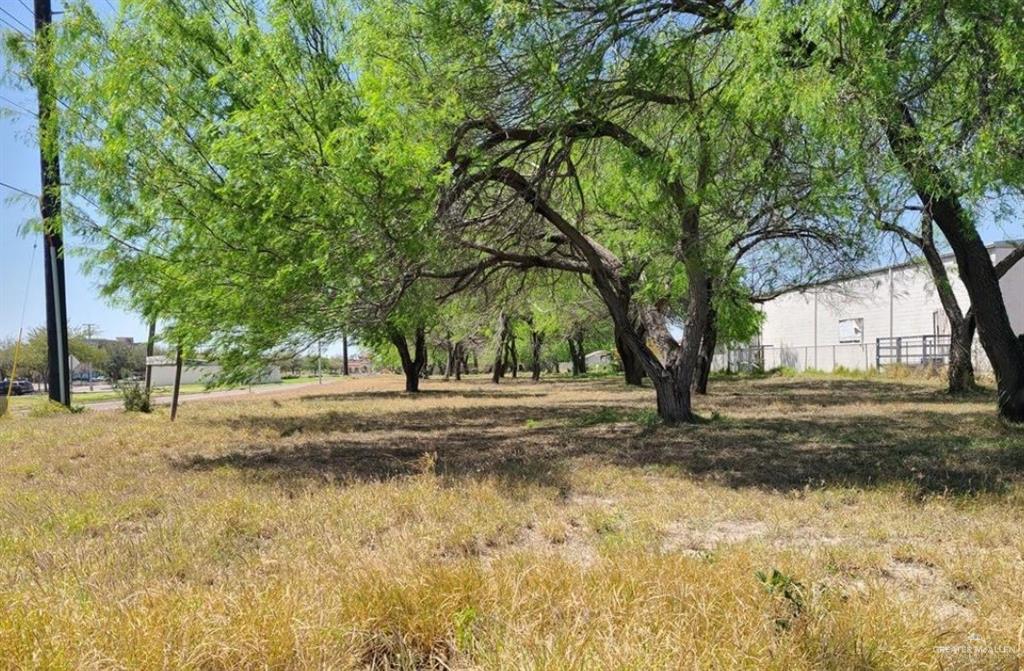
923 350
745 359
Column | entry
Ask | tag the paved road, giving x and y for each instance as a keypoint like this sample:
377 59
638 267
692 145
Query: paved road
258 390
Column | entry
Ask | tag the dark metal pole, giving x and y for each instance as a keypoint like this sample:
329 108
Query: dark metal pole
59 378
149 352
89 328
177 385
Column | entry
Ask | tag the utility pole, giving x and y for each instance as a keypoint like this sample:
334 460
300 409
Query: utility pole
344 355
88 336
177 384
150 339
59 377
319 368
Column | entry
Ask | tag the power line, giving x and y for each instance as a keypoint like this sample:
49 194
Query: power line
11 109
27 8
23 191
19 106
13 27
16 19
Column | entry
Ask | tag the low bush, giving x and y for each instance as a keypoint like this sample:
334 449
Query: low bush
135 396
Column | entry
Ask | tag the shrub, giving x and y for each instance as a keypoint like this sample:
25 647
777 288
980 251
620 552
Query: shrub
135 396
47 407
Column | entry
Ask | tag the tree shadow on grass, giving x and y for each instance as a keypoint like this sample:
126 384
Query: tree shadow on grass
424 394
458 453
839 392
420 425
920 450
961 452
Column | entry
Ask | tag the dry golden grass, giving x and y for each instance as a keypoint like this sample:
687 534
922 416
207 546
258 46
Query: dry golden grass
528 526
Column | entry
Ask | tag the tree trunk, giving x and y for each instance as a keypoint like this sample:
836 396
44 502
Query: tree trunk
708 342
420 363
412 364
960 372
150 343
536 340
972 259
997 336
449 365
576 354
672 391
632 369
513 355
581 354
499 351
460 361
344 355
674 378
982 284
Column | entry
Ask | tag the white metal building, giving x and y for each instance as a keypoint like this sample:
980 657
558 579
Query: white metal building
878 317
196 372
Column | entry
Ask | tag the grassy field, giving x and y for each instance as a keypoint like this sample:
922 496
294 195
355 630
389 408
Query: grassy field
820 523
81 395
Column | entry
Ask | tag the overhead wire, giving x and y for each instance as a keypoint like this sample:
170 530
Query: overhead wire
21 327
13 27
21 191
16 19
24 308
21 107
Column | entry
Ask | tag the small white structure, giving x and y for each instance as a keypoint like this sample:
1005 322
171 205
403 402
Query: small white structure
599 359
889 315
196 372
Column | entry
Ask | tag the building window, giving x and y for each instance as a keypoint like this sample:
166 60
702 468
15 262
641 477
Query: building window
851 330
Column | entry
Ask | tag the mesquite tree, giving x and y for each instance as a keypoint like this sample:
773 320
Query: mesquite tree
616 153
254 191
941 83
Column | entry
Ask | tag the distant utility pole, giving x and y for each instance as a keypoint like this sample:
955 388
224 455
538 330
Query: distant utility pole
59 377
88 336
177 384
150 339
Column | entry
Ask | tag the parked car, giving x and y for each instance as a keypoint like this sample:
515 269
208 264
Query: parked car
16 387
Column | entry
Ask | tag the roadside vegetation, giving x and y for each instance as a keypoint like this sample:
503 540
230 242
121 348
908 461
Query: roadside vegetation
812 523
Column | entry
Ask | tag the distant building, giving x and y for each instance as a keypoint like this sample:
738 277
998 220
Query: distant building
596 360
360 365
198 372
885 316
107 342
599 359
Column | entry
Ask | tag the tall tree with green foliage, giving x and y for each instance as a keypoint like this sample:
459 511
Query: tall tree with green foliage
257 194
615 145
935 89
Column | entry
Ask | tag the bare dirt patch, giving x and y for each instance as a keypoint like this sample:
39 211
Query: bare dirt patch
681 536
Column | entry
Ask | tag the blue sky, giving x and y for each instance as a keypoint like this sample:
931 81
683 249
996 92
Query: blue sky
21 282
